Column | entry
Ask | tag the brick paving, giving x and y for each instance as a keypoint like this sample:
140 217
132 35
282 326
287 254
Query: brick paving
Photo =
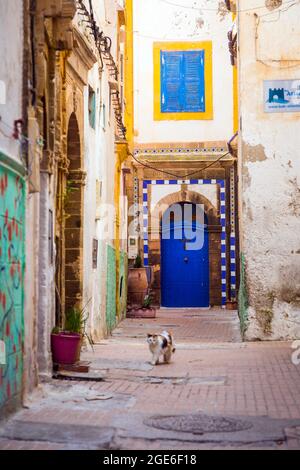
213 373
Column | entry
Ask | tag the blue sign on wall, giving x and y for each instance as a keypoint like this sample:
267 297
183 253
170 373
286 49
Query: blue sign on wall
281 96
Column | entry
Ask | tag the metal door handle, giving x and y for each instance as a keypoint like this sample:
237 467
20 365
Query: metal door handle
186 260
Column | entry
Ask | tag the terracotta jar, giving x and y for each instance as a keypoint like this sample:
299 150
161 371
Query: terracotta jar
139 281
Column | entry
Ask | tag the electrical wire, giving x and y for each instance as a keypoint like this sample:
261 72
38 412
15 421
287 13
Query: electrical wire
289 3
103 45
273 63
189 7
5 135
176 175
8 126
31 148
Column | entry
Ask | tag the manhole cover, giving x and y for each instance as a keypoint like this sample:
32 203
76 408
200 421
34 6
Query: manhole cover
197 424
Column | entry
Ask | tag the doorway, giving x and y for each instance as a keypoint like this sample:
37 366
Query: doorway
184 257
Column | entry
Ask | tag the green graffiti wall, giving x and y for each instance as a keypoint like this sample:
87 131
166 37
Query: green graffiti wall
12 261
111 289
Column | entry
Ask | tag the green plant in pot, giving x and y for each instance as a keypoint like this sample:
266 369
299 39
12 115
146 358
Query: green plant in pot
145 310
66 343
147 301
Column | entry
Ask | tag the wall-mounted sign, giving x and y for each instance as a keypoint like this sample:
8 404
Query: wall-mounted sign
281 96
133 247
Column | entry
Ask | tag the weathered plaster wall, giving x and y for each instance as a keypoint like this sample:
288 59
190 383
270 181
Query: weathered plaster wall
154 21
99 212
160 191
31 294
14 318
11 54
12 264
270 177
46 267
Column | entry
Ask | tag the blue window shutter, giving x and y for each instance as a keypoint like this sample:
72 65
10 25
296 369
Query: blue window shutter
171 81
182 81
193 70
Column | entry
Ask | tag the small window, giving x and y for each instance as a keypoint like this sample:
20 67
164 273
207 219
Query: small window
182 81
103 119
92 108
95 253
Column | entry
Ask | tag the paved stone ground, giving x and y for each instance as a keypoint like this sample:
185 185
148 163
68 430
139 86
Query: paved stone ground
218 393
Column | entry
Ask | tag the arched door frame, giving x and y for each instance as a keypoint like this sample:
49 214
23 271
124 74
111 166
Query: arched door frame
71 180
184 278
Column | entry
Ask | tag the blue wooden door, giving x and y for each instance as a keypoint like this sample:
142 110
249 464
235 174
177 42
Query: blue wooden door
184 272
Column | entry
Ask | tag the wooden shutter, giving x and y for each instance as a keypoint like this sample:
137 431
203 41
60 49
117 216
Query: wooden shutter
193 74
171 81
182 81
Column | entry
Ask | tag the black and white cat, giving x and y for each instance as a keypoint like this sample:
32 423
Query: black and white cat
159 345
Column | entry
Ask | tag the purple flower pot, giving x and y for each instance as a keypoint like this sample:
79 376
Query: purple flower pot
65 347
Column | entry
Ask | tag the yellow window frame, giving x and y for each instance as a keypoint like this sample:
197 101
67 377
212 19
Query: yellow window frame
208 77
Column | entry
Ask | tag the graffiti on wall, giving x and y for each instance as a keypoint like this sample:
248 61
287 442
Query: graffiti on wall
11 282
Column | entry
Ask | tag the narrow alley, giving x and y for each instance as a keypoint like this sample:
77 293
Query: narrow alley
149 201
217 393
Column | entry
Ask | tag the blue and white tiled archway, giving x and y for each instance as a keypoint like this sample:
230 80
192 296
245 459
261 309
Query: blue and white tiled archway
221 183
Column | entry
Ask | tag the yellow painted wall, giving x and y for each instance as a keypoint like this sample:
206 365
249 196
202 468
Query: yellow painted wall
129 82
121 155
235 94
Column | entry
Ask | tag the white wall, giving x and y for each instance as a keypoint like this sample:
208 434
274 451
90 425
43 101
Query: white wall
158 192
270 175
11 71
156 20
